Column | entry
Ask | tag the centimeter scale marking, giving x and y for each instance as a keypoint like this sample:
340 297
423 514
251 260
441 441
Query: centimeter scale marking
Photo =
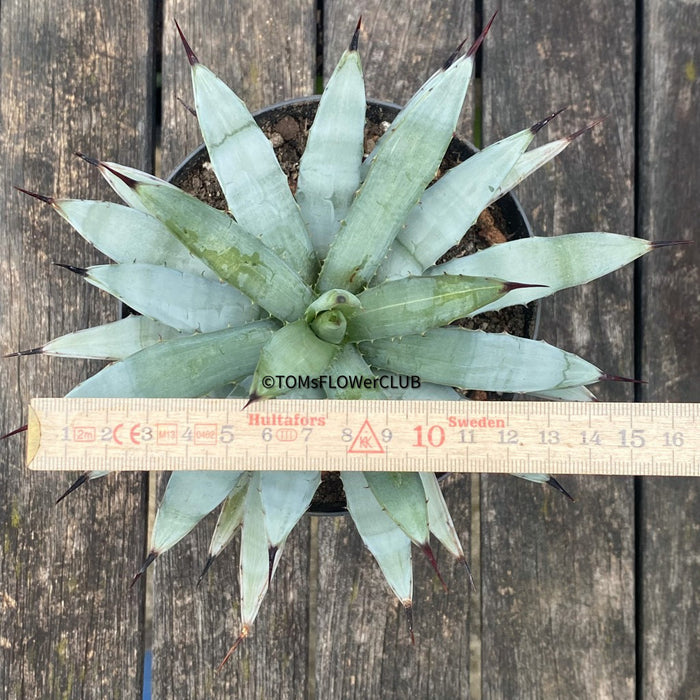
442 436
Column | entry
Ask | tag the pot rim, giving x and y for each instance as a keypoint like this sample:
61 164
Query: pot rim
513 200
270 108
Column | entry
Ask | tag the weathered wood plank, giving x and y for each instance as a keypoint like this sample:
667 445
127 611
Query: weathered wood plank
557 578
401 43
669 517
363 645
557 621
69 626
364 649
266 52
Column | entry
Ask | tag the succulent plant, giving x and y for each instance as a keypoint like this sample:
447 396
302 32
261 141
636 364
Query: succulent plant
336 279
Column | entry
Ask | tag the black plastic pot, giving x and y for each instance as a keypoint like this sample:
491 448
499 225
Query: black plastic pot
511 215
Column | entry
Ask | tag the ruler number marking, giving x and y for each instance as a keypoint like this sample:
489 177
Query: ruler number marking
500 436
226 434
466 436
632 438
590 437
435 436
508 437
676 439
549 437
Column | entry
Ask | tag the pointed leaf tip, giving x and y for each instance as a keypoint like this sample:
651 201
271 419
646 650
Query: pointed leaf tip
252 398
510 286
586 128
477 43
615 378
667 244
354 42
556 485
88 159
453 56
191 57
207 566
152 556
22 353
83 478
427 550
128 181
543 122
469 573
244 633
16 431
408 609
271 554
40 197
78 270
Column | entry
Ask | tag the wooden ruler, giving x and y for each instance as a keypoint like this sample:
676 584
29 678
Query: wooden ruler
441 436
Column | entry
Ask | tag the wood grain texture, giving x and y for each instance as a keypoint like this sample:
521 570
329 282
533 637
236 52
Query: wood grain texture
69 626
194 626
363 647
266 52
402 43
555 612
558 578
669 517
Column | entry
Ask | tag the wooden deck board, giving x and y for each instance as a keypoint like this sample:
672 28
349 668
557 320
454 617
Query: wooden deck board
364 648
558 577
69 625
572 601
266 52
669 537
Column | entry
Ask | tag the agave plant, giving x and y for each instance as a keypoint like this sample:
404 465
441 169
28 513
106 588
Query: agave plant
338 278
